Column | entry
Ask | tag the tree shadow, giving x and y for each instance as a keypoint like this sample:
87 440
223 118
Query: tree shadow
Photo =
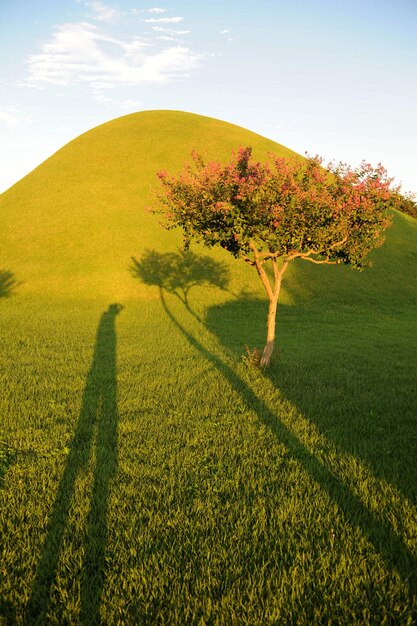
378 532
98 416
8 615
345 387
7 455
8 284
178 272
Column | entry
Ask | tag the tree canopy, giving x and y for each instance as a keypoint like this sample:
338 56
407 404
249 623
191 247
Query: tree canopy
280 210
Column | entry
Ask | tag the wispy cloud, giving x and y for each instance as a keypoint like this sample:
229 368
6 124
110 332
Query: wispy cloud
9 116
163 20
170 31
82 52
166 38
284 124
154 10
226 31
130 105
103 12
124 105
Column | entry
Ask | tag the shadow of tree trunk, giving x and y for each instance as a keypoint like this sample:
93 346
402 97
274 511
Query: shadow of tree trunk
333 367
379 533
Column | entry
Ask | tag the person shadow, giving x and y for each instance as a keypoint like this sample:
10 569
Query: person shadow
379 532
97 423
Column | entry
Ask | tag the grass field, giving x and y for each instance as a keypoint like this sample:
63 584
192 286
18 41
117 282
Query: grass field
151 475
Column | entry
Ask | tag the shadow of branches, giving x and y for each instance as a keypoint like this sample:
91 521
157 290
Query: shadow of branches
178 272
8 283
223 322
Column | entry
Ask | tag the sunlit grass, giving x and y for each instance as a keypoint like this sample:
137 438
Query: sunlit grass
238 497
151 475
71 226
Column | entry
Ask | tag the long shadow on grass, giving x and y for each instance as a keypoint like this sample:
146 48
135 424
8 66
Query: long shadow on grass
6 458
351 373
8 283
98 416
390 547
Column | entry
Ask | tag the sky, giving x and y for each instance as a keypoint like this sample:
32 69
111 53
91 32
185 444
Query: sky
335 78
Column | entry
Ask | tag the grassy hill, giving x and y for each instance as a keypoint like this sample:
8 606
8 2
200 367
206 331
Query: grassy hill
71 226
151 475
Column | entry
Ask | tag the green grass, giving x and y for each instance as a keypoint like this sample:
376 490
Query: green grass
153 476
70 227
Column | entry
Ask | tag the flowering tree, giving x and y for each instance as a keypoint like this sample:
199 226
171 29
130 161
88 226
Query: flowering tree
278 211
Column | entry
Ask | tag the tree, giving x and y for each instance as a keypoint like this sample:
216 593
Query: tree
278 211
408 204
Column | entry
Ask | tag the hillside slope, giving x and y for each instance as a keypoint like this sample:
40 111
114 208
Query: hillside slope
72 225
149 473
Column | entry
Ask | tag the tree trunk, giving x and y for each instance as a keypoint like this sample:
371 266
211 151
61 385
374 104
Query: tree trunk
273 295
270 335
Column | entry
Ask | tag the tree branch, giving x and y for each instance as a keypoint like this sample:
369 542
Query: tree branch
269 255
319 262
339 243
261 272
278 274
306 255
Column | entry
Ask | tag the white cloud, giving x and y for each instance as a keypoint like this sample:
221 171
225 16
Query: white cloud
225 31
9 116
100 97
163 20
154 10
166 38
66 130
284 124
82 52
170 31
130 105
124 105
103 12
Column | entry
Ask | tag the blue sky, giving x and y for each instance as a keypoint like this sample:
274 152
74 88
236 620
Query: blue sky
332 77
